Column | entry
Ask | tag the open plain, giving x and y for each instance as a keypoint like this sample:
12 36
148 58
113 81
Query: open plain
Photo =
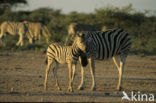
22 76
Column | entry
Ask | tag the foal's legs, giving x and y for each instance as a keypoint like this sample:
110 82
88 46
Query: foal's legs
55 76
50 61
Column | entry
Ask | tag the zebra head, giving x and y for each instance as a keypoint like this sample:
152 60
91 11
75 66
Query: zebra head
80 42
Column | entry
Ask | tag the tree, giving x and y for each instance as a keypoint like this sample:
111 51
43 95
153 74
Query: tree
8 4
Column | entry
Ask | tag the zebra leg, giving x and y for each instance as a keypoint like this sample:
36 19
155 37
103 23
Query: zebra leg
46 73
39 37
55 76
20 41
73 68
80 87
30 40
92 71
70 81
117 62
121 70
1 39
17 44
1 36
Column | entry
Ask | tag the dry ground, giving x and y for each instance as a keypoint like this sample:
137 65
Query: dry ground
22 76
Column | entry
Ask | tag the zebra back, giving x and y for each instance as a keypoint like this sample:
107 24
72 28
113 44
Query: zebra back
58 52
107 44
63 53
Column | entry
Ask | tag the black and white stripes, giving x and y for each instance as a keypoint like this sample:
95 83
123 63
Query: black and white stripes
114 43
64 54
108 44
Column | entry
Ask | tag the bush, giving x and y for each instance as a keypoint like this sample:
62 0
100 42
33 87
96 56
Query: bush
140 27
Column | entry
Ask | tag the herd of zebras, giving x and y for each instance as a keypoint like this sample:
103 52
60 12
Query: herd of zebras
86 45
31 30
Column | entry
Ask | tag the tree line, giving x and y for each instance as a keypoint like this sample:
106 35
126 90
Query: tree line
141 27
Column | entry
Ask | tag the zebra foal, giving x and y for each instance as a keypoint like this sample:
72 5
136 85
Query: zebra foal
64 54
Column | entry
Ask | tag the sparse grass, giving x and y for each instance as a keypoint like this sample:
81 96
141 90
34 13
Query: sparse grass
10 44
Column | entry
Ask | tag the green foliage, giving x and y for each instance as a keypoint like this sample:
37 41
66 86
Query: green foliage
40 15
8 4
142 28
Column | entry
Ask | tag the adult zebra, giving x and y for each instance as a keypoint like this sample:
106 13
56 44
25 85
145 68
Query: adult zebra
14 28
114 44
36 29
64 54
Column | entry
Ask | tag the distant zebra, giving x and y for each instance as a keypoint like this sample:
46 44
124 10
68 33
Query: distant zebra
76 27
36 29
64 54
14 28
104 45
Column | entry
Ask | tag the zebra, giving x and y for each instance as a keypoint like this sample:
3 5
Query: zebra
64 54
77 27
14 28
36 29
113 43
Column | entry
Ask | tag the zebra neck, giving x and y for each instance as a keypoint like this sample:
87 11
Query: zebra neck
76 51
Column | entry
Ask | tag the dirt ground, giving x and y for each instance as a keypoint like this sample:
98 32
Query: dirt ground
22 76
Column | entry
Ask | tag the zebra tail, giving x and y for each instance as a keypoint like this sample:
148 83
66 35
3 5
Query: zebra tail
84 61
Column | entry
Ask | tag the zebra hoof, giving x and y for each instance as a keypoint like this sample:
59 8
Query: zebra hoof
119 88
93 89
59 89
80 88
70 89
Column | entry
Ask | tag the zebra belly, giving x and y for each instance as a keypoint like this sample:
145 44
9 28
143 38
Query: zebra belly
103 55
12 32
61 59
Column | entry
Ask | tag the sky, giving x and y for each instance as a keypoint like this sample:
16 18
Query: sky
88 6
